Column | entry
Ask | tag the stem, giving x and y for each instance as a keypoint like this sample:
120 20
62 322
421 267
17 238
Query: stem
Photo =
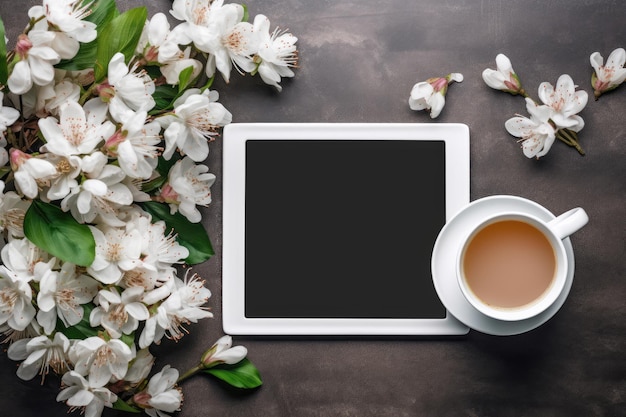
570 138
88 93
190 373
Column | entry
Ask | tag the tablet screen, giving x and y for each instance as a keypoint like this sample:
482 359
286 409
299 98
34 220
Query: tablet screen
342 228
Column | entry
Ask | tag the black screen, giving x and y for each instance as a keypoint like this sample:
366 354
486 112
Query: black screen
342 229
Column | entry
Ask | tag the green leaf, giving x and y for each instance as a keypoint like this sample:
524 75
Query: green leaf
59 234
4 70
120 35
246 14
184 79
102 12
164 96
124 406
240 375
193 236
208 84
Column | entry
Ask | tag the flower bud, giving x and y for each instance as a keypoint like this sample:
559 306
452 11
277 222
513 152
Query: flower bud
222 352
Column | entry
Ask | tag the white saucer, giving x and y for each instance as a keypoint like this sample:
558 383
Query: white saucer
444 270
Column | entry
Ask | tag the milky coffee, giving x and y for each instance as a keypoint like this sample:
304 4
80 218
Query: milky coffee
509 264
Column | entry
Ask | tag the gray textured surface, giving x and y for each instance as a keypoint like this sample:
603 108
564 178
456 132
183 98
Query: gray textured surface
359 60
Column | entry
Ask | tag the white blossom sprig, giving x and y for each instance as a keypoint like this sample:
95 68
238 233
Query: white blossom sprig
556 118
430 94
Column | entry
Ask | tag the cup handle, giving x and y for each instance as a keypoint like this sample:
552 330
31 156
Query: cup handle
568 222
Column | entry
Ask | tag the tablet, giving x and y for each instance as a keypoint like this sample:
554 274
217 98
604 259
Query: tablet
328 229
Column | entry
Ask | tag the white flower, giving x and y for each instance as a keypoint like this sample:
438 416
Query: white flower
52 96
8 115
68 169
537 134
159 44
126 91
217 28
135 145
188 185
16 308
183 306
223 352
39 355
101 360
196 119
30 171
62 295
277 52
139 367
430 94
161 396
78 131
159 250
80 393
100 194
565 102
21 257
68 16
504 77
610 76
36 61
64 26
119 314
12 211
117 250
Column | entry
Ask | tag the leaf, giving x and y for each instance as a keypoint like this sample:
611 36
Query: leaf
59 234
193 236
124 406
120 35
184 79
164 96
102 13
4 70
240 375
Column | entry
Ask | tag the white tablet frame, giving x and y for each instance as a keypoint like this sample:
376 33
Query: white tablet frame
456 139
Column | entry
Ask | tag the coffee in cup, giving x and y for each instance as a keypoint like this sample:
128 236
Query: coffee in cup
513 266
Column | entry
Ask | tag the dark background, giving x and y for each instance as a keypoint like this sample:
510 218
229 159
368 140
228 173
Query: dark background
359 60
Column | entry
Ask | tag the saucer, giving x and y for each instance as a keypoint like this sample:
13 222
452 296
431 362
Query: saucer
444 269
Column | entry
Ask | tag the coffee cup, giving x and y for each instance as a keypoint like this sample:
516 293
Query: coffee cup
513 266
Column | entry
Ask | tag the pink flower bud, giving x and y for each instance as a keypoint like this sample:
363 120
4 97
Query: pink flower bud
23 46
168 195
18 158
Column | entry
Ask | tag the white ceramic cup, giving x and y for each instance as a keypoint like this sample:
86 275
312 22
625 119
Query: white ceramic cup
555 231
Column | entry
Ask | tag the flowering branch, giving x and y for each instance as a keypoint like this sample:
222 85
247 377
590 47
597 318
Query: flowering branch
556 118
105 123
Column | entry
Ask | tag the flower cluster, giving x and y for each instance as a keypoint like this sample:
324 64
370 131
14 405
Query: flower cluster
105 121
556 117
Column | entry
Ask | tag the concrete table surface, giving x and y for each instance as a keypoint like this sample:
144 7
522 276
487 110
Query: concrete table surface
359 60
